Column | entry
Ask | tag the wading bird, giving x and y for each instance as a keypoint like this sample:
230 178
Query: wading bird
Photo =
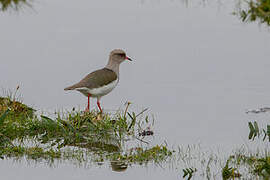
102 81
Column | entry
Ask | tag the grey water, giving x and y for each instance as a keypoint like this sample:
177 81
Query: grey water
196 66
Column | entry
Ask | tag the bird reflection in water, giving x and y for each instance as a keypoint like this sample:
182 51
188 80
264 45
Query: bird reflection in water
118 166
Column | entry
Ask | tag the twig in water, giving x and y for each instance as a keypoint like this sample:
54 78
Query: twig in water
14 96
142 112
128 103
142 140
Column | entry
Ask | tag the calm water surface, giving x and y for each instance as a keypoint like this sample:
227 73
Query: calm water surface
197 67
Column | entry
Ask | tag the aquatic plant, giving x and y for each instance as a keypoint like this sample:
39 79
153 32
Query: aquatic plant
258 164
230 172
255 131
258 10
188 172
13 4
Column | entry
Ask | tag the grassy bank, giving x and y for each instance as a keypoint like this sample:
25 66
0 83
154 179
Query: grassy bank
76 136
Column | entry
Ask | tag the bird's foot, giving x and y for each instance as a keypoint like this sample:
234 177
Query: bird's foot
86 110
99 107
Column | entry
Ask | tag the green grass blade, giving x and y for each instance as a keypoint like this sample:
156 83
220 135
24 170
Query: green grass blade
256 127
3 117
251 130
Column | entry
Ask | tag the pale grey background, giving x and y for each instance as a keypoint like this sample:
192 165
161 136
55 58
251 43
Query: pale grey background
197 67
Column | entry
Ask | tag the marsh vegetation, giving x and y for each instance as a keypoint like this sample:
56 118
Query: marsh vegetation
76 135
258 10
122 140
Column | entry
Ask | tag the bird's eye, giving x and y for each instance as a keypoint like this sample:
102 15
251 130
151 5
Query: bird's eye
122 55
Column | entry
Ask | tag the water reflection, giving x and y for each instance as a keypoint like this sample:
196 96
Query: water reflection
99 147
119 166
13 4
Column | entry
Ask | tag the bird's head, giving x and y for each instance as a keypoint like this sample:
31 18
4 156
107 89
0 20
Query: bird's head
118 56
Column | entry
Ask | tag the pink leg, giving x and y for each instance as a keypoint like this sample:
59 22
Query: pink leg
88 105
99 105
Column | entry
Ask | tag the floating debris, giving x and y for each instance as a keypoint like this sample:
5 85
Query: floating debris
260 110
146 133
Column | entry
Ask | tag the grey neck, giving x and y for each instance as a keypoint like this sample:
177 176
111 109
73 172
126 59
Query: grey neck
113 66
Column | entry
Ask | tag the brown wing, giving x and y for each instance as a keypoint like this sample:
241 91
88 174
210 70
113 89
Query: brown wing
95 79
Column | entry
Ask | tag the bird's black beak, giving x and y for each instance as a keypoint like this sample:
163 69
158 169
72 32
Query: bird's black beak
127 58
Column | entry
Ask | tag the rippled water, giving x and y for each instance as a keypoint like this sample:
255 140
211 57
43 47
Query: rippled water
196 66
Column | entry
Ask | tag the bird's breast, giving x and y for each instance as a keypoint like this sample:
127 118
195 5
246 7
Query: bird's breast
99 91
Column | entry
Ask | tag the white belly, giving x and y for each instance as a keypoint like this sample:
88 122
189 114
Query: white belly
100 91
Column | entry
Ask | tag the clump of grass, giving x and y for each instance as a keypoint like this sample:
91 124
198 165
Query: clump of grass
15 107
104 135
256 10
259 166
262 167
230 172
